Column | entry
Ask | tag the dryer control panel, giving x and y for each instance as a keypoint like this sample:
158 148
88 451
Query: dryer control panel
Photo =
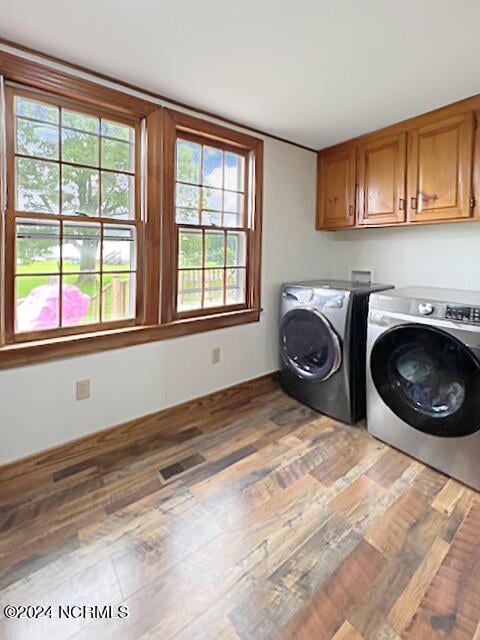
463 314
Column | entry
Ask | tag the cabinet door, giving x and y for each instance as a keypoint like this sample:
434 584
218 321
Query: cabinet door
381 180
440 169
336 188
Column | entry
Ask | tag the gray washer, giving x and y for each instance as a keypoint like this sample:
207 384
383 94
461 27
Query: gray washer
322 345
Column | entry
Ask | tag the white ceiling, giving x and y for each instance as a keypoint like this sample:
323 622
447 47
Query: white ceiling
313 71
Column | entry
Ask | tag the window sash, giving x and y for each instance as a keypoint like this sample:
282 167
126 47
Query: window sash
203 269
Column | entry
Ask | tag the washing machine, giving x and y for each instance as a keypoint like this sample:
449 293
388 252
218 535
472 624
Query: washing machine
423 376
323 326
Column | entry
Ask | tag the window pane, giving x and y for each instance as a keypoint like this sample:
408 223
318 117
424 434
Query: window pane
212 199
234 171
79 147
37 302
80 190
37 139
36 110
236 254
214 287
118 131
81 248
118 248
187 216
190 248
232 202
37 248
80 121
117 195
189 290
80 300
212 167
187 197
212 217
188 161
214 249
118 155
118 296
232 220
37 185
235 286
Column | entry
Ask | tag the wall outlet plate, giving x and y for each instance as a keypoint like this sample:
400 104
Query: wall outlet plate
82 389
362 274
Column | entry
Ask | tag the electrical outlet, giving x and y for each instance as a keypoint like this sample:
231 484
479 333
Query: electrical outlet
82 389
216 355
363 274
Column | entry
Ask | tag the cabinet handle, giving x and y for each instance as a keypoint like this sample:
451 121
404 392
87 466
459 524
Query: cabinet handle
350 209
401 204
413 203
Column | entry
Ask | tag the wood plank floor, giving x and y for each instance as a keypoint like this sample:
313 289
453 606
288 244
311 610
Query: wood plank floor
295 527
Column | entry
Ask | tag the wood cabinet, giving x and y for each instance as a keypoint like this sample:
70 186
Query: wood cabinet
440 159
336 189
382 180
423 170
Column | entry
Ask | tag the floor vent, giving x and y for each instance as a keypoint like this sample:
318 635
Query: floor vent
170 473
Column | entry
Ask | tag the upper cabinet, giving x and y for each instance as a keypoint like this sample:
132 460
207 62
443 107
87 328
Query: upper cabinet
382 180
424 170
336 189
440 159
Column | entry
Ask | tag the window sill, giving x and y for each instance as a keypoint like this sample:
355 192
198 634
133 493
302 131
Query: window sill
26 353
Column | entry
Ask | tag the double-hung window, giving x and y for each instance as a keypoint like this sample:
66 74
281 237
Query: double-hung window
212 229
122 221
72 217
213 194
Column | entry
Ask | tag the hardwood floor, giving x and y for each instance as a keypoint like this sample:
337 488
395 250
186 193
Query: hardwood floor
295 527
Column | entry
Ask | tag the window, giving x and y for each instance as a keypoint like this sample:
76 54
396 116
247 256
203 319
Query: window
212 225
123 221
72 215
214 191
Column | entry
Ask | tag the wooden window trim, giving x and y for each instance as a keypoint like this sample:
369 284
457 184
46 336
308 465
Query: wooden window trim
181 125
157 322
46 78
22 354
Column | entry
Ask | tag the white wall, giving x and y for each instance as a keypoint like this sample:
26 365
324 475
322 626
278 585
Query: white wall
37 405
441 255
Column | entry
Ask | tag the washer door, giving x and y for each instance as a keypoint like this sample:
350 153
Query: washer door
429 379
309 346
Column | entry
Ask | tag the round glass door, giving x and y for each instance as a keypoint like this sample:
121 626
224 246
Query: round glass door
309 346
429 379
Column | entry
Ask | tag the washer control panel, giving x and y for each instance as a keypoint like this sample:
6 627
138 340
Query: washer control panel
463 314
